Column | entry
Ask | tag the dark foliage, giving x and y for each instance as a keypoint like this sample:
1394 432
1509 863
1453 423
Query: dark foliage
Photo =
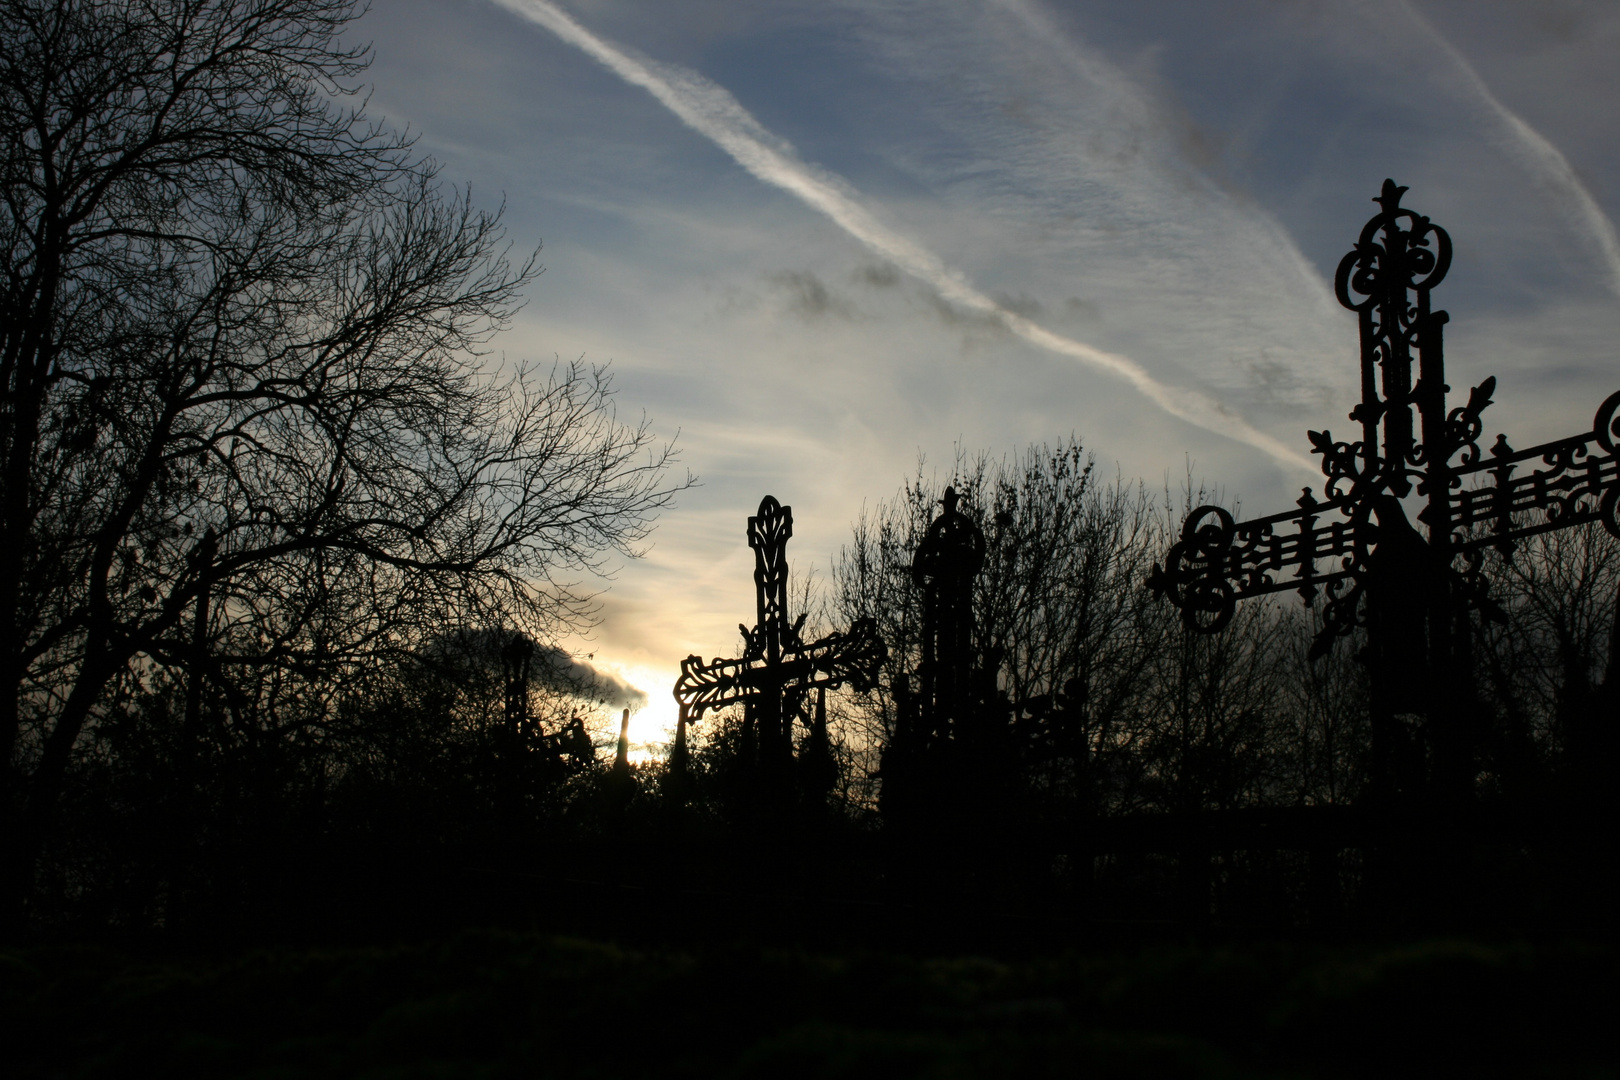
285 550
497 1004
1145 768
249 458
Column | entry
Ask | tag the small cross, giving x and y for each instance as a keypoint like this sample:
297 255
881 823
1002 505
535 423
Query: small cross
777 668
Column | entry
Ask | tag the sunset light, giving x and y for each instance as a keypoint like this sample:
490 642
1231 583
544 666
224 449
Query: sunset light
809 538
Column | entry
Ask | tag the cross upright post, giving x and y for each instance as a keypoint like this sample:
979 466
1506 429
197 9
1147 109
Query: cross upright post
1411 591
768 534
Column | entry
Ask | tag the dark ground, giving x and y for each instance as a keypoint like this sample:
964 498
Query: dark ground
510 1002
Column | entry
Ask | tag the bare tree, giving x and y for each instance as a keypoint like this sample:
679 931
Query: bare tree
1211 710
1114 705
1540 671
1060 602
1324 702
244 428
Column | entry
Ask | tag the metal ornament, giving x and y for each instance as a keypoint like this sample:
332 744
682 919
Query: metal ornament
935 761
1473 499
777 669
1411 591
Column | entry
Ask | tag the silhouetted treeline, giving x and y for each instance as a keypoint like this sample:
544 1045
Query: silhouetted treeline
285 566
1117 728
416 766
1116 724
252 467
1108 709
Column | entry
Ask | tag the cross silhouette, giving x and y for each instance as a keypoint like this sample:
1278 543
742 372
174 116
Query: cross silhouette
948 559
1382 574
777 668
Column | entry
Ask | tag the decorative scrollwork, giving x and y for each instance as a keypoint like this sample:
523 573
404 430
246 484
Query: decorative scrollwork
1606 424
1218 562
855 658
1609 510
708 685
1386 279
769 531
1401 259
1474 499
1463 424
1209 530
1341 614
1193 576
1568 482
1208 604
852 658
1354 462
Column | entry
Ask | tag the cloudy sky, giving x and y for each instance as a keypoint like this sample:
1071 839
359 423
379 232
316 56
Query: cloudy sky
822 239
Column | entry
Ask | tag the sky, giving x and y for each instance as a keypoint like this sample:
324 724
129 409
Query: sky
819 241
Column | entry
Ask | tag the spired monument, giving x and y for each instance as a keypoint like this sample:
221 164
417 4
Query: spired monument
562 752
1413 591
949 734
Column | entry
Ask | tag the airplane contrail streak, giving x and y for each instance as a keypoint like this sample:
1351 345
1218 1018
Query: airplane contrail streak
1044 32
1542 157
714 113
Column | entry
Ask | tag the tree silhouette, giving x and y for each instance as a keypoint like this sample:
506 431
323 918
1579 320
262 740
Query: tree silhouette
1108 704
245 442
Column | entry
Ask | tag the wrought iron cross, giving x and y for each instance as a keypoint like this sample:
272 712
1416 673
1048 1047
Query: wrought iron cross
1380 572
777 669
1474 499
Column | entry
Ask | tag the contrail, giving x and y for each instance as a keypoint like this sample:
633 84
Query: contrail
712 112
1542 157
1045 33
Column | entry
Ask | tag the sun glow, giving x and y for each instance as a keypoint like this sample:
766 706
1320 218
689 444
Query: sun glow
652 723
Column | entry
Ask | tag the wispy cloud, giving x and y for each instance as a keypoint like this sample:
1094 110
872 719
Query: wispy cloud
1543 160
1041 31
714 113
1103 179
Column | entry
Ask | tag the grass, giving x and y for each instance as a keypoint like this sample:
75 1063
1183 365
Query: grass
498 1004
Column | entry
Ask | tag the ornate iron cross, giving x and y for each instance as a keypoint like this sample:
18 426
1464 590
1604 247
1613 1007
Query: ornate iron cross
1473 499
1379 571
777 669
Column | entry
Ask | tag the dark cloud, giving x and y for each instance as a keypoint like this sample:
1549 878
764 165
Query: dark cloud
1020 304
971 322
552 666
574 671
1082 309
808 296
879 275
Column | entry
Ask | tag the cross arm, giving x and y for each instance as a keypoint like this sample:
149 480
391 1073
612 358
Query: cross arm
711 685
854 658
1218 562
1552 486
